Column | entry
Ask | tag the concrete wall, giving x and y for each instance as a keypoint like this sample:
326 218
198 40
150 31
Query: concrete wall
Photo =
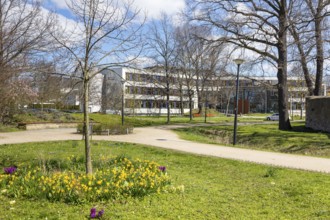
318 113
37 126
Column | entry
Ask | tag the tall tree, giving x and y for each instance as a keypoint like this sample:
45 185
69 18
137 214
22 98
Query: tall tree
185 54
47 85
106 33
197 58
259 26
161 42
307 26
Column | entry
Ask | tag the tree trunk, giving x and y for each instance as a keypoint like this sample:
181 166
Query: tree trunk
227 104
87 131
104 98
168 101
190 107
284 121
181 100
319 55
303 60
199 97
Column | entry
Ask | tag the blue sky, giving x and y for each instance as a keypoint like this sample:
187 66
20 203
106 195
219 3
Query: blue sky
153 8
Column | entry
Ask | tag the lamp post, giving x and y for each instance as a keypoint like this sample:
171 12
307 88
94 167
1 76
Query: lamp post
238 62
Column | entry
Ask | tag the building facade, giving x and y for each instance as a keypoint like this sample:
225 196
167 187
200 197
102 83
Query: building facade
143 92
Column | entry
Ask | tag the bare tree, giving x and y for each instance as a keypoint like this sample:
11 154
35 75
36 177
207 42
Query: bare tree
209 67
23 36
47 85
161 42
188 54
259 26
106 33
307 28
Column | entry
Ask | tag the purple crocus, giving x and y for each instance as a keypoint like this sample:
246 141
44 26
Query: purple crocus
162 168
93 213
10 170
100 213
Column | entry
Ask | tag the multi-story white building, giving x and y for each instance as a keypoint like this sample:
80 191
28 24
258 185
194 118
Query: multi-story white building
144 92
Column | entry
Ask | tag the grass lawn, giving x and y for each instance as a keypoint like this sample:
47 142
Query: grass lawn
4 128
264 137
141 121
214 188
113 120
108 119
136 121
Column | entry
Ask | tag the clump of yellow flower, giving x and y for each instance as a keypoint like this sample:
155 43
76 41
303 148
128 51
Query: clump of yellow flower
121 178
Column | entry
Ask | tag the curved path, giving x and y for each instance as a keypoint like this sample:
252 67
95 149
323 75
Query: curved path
162 136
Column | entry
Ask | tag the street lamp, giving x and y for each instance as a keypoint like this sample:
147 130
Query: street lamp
238 62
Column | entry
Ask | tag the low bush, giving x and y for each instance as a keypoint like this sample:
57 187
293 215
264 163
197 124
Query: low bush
98 128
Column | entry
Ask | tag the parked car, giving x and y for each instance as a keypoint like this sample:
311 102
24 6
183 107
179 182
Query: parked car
273 117
113 112
51 110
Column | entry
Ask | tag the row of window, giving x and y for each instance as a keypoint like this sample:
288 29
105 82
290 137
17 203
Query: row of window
162 79
153 91
131 103
148 78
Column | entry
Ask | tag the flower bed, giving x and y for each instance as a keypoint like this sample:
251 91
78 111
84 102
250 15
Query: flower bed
120 178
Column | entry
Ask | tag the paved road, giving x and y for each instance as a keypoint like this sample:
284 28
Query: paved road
162 136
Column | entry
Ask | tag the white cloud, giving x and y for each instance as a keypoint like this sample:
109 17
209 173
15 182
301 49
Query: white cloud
142 62
69 28
61 4
154 8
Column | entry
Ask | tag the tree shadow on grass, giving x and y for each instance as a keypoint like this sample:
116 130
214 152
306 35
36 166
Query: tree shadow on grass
303 128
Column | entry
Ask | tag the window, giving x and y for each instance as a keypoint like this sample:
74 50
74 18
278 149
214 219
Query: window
129 76
148 104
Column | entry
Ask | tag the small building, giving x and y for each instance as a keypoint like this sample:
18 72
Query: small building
317 113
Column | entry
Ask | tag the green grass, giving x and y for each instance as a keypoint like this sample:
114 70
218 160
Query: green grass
137 121
264 137
8 128
214 188
142 121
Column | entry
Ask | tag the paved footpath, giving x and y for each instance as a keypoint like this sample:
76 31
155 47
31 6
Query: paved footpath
162 136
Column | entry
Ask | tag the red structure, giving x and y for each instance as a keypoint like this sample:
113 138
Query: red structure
243 106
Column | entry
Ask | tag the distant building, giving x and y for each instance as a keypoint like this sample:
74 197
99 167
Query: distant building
143 92
73 93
